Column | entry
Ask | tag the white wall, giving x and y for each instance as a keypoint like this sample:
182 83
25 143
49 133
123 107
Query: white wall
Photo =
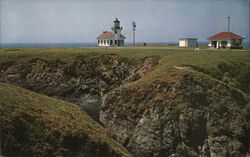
104 43
188 43
210 43
219 45
182 43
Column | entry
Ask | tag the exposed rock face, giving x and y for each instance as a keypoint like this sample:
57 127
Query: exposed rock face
84 75
83 80
190 115
196 112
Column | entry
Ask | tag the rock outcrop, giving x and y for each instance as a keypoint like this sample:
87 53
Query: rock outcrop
83 80
188 114
188 110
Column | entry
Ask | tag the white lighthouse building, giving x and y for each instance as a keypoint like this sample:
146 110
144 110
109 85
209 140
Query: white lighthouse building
114 38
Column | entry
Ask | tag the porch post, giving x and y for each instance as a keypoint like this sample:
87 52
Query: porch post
229 44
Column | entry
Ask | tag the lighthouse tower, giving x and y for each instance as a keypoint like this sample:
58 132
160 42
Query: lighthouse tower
118 37
117 29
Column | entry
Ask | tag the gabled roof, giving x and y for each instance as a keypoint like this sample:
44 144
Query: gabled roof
105 35
109 35
226 35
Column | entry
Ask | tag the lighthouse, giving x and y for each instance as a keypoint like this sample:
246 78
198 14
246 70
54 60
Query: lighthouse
117 29
114 38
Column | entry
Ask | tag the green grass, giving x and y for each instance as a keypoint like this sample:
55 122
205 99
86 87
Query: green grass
45 124
65 53
16 101
170 57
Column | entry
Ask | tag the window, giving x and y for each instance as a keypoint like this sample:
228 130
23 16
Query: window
239 41
98 41
115 31
104 42
111 42
115 42
223 44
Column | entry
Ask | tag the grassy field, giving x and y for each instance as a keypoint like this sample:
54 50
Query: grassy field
230 67
170 57
8 54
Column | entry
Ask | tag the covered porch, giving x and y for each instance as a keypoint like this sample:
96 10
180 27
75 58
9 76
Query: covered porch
232 43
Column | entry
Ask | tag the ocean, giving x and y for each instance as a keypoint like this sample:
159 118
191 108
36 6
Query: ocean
62 45
46 45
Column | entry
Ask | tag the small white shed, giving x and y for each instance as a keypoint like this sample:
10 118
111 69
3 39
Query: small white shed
188 42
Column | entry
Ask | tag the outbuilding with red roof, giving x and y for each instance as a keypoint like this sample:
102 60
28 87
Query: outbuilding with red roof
226 40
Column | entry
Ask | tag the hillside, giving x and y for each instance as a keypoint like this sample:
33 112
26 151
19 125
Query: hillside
155 101
188 114
36 125
82 80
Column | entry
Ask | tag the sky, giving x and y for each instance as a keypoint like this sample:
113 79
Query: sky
81 21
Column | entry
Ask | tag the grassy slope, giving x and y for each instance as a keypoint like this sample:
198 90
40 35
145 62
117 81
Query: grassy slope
169 57
65 53
164 70
33 124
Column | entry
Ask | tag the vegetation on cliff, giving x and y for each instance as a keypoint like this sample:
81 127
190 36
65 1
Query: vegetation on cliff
155 101
36 125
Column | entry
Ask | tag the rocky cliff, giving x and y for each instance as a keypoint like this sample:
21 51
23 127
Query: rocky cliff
82 80
171 106
187 113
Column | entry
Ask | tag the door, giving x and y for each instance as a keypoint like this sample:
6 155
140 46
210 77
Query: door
223 44
214 44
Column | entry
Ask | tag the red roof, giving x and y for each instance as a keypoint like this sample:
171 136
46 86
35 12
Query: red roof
105 35
225 35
